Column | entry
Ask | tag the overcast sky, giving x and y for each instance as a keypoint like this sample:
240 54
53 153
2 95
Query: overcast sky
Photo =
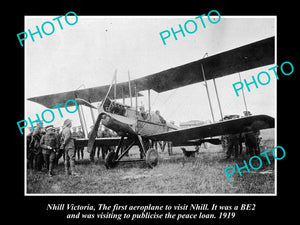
88 52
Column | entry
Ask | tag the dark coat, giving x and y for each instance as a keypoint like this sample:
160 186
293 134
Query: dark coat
49 139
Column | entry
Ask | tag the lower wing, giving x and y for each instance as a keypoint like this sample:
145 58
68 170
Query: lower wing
110 141
233 126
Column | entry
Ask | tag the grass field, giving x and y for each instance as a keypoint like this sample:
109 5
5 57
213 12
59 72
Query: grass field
174 174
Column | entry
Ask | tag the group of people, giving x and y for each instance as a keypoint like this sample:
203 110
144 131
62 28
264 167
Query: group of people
233 143
105 133
46 145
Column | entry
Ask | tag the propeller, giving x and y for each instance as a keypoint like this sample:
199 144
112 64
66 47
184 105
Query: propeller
93 135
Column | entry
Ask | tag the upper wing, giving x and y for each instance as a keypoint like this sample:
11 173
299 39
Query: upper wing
234 126
257 54
90 95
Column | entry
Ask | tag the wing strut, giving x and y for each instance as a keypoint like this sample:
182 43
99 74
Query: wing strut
93 116
136 100
212 113
149 104
112 83
243 95
129 86
82 121
94 131
215 85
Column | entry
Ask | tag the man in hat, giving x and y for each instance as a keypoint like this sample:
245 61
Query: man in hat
74 137
105 149
29 145
93 151
60 152
233 145
35 145
50 144
69 146
81 148
162 120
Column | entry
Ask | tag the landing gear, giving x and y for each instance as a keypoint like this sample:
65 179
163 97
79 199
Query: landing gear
151 157
110 161
147 154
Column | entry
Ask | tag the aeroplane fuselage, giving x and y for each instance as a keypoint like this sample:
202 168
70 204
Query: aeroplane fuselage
127 121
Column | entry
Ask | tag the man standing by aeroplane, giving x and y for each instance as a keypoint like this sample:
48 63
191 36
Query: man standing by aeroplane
37 150
69 146
49 143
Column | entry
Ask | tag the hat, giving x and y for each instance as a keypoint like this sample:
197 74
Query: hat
38 124
49 127
67 122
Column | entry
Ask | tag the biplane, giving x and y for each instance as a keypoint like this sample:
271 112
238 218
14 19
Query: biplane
143 128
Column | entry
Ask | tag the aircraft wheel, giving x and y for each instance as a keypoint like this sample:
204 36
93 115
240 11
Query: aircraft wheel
152 157
110 160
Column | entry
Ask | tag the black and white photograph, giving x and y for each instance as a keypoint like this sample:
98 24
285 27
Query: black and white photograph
150 105
186 117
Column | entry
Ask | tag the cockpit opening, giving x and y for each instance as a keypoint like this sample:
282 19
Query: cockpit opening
114 107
